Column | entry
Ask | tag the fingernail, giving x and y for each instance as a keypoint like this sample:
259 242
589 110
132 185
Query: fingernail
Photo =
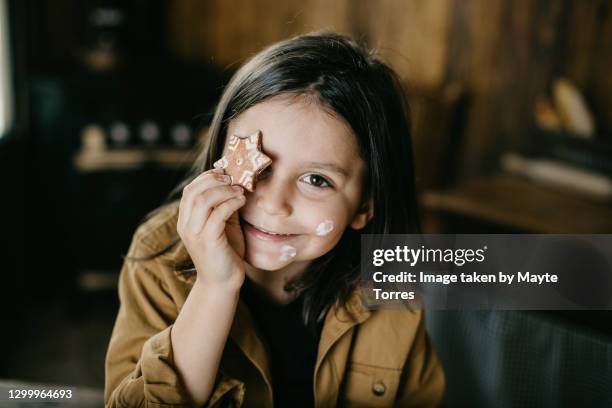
219 171
223 178
237 188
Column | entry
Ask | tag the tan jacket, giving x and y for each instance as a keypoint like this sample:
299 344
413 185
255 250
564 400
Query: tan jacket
366 358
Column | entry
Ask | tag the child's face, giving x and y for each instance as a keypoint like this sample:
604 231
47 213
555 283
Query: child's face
311 193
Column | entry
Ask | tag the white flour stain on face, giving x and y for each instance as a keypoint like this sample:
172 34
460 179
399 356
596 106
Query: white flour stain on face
287 252
325 228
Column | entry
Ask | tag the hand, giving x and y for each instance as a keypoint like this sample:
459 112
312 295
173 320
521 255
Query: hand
209 227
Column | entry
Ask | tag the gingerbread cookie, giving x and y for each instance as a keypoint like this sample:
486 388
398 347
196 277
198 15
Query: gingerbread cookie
245 160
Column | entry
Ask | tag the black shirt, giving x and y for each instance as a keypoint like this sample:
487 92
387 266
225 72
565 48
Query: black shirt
292 348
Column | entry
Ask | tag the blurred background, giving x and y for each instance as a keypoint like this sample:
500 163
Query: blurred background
103 104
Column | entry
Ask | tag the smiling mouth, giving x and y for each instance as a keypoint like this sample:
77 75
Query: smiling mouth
265 234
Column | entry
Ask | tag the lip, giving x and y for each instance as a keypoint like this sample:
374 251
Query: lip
263 235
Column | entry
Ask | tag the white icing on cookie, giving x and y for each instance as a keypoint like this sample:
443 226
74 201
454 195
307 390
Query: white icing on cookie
325 228
221 163
287 252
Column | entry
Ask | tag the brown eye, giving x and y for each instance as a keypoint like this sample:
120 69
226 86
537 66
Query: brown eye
316 180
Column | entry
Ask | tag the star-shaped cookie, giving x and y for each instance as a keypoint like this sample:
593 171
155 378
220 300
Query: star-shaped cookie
245 160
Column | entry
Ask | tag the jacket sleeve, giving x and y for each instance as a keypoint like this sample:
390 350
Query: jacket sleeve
139 366
423 383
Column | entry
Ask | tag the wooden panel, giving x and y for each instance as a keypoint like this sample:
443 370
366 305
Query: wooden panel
503 52
226 33
515 202
411 36
582 29
55 31
599 81
505 60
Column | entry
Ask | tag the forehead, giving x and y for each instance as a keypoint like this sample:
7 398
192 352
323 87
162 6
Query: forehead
300 130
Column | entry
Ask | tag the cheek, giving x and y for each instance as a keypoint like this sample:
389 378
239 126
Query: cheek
325 225
323 220
324 228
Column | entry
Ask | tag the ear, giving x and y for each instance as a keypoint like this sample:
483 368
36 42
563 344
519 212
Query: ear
364 215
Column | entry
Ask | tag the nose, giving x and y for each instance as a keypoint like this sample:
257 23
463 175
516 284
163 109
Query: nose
273 196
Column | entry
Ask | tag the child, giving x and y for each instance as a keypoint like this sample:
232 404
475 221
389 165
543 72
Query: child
238 298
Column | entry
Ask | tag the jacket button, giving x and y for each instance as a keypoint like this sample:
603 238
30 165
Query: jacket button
379 389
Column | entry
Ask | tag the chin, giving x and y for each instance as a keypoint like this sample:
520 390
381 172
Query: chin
265 262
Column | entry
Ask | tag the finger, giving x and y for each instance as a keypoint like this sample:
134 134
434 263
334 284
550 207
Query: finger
215 225
205 203
200 184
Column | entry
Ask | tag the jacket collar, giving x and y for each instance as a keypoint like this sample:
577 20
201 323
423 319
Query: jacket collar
245 336
175 256
338 321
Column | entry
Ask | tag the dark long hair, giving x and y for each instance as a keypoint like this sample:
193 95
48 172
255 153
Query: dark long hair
346 79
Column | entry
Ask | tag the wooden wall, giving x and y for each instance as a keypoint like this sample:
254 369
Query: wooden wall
506 52
502 52
226 32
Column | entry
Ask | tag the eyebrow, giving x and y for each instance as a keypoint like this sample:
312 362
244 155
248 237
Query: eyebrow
328 166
